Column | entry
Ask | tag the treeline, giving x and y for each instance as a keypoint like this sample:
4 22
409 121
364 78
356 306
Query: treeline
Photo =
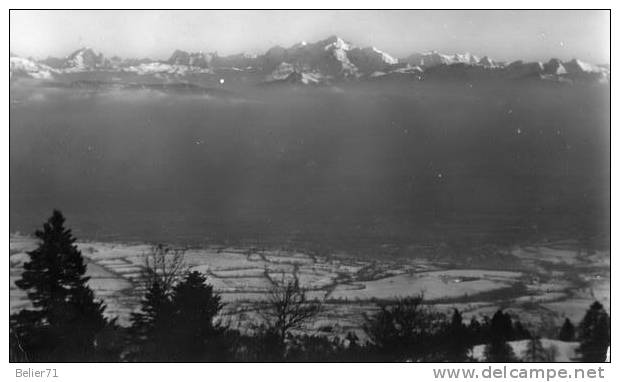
177 321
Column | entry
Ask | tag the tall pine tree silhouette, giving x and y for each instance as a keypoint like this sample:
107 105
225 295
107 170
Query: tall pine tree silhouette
151 328
534 351
195 333
501 331
178 324
66 318
498 350
594 334
458 340
567 332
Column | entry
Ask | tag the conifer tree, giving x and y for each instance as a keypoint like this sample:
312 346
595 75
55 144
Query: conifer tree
567 332
475 331
178 324
520 332
534 352
501 330
151 326
498 350
458 340
195 333
65 319
594 335
501 325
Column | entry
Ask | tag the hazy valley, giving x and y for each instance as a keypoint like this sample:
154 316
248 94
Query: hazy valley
480 184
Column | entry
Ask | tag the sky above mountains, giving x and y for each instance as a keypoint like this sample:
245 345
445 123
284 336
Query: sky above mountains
504 35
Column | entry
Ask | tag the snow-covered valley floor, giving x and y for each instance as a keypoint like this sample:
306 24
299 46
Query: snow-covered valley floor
555 281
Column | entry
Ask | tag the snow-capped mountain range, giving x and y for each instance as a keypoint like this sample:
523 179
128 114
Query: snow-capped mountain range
326 61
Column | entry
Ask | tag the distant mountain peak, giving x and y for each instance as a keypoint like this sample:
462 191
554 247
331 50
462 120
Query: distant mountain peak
554 66
335 42
85 50
385 56
85 59
25 67
321 61
577 65
194 59
487 62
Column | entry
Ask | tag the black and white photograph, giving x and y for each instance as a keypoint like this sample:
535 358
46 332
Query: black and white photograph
309 186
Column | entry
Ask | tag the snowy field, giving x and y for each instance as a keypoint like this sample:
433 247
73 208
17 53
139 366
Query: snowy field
553 282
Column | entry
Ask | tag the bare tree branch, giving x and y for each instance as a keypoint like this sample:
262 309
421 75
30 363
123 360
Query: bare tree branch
163 265
288 308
